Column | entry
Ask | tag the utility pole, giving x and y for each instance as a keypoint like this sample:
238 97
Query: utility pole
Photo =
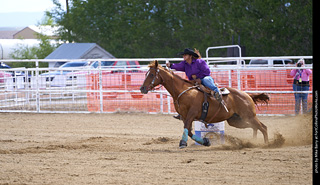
67 6
68 31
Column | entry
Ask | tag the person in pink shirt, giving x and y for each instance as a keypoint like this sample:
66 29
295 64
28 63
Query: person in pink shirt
301 83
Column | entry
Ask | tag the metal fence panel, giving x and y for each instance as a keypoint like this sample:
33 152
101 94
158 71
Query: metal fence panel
113 90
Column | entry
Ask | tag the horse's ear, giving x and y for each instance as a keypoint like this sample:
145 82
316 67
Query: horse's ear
156 63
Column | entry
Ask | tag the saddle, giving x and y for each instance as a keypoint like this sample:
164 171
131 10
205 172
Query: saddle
205 105
224 91
208 92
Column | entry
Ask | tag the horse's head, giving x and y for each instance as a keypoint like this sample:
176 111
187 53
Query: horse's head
152 78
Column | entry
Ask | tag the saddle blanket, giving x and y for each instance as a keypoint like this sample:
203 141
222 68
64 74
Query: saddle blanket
224 91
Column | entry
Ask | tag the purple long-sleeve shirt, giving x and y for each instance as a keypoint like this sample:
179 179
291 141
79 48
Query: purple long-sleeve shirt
197 67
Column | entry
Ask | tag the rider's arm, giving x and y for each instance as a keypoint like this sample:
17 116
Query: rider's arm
178 66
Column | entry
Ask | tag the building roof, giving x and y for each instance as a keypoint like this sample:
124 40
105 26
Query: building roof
76 51
8 32
30 32
16 32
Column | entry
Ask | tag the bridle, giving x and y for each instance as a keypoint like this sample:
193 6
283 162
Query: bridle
156 76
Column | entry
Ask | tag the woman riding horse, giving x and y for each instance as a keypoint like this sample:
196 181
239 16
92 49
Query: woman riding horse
196 68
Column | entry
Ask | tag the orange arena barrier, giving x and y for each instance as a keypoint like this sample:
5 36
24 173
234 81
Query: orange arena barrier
123 91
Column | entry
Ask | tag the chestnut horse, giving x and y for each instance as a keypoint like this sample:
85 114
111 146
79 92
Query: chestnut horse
188 103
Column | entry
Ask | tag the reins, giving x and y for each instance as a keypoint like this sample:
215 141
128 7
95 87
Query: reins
189 88
156 76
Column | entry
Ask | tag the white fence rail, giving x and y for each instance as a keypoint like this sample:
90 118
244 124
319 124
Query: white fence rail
111 89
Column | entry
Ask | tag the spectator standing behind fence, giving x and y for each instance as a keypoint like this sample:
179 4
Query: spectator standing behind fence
301 83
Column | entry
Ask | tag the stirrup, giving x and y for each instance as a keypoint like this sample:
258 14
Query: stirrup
218 96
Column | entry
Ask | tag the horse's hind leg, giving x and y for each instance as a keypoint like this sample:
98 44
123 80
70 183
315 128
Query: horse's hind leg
257 125
255 133
236 121
202 141
265 133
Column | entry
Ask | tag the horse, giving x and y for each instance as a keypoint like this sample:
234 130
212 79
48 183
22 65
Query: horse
240 109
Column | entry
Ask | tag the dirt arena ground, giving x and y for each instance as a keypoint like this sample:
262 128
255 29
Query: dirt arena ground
143 149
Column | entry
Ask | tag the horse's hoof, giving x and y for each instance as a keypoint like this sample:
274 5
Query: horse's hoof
182 144
206 142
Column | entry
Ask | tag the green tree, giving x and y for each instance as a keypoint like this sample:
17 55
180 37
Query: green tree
34 52
156 28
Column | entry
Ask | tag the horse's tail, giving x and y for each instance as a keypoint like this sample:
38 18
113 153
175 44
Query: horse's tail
260 98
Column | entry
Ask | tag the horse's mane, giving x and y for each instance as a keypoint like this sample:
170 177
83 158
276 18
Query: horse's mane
179 77
153 65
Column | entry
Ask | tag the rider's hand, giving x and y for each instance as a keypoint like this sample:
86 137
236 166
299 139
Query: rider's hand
197 52
196 81
168 64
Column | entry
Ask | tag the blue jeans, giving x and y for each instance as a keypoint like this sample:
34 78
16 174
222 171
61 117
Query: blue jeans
300 97
209 82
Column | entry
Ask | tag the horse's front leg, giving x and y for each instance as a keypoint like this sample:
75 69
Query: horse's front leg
188 132
187 121
183 141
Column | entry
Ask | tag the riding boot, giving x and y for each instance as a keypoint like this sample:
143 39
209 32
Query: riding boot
297 106
177 117
218 96
304 106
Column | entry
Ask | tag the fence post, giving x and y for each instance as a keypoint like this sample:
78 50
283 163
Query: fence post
161 102
167 93
230 79
125 78
238 78
37 87
238 70
100 88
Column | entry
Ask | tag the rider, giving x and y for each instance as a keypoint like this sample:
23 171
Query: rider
196 68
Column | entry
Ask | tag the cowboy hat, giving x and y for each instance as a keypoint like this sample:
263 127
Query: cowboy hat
189 52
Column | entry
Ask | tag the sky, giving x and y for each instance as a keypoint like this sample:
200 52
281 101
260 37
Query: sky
22 13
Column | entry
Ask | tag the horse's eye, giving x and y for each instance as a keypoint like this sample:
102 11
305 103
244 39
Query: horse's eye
151 75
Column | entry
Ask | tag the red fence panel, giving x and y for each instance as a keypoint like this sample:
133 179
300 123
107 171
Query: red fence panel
120 91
